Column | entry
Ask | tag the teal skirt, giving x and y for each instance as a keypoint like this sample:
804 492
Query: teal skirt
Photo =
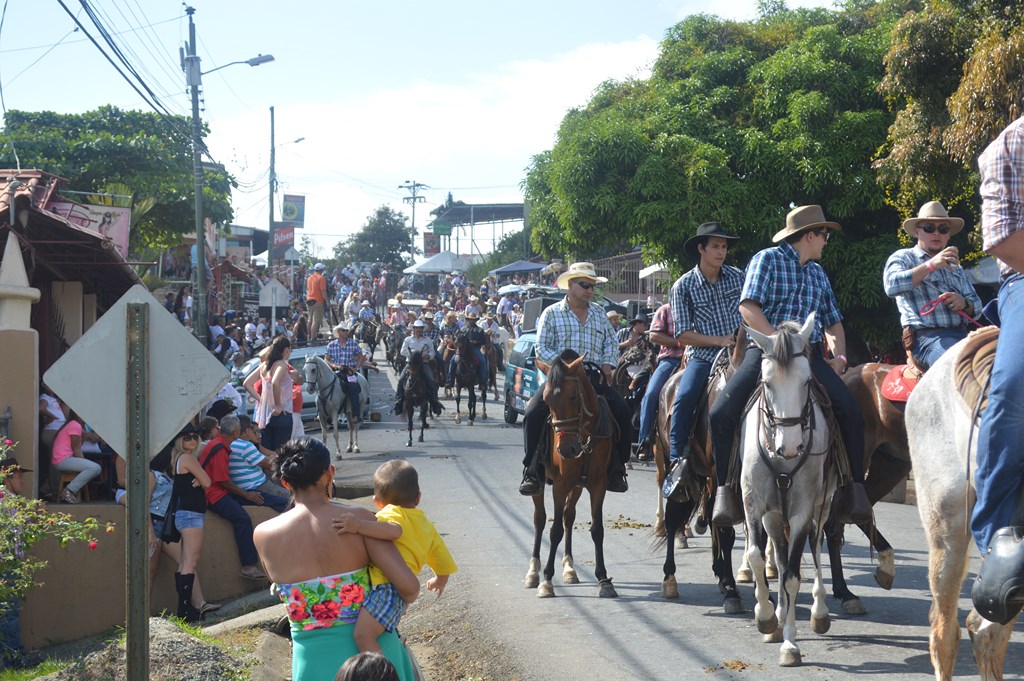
317 654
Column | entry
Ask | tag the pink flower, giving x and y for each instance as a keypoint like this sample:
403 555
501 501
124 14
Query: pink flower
297 612
93 544
326 611
9 443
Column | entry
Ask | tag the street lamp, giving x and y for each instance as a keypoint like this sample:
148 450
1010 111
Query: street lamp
194 79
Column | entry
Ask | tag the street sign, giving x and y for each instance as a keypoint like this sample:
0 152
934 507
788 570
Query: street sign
274 294
442 228
91 376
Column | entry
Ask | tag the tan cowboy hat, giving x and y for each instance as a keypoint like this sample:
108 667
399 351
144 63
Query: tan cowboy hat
801 219
934 212
490 315
473 298
579 270
428 315
472 314
410 313
341 327
451 315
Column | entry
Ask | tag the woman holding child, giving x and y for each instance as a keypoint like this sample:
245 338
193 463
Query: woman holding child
322 576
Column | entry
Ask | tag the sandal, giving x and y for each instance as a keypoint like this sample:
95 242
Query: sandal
210 607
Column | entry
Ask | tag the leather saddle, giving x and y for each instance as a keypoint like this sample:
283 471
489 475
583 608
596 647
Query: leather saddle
900 382
974 367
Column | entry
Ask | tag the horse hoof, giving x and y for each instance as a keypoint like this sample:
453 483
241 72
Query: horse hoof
348 450
669 587
355 449
421 438
769 626
733 606
854 607
687 531
770 571
744 576
790 657
773 637
885 573
470 422
545 590
570 577
821 625
531 581
684 543
458 420
339 457
409 443
606 590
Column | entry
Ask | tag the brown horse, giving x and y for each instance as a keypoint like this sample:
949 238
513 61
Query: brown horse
887 460
579 459
491 353
672 521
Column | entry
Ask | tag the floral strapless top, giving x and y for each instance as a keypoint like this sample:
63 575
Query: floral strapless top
325 601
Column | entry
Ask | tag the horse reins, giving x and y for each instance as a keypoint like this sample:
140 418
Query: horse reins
576 425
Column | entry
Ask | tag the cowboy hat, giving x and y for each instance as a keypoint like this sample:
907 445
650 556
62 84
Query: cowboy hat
342 327
934 212
473 298
489 315
579 270
801 219
705 231
452 314
392 302
10 462
418 324
613 314
428 315
641 318
366 303
472 314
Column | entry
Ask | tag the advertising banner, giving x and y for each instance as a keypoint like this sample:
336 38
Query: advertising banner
431 244
293 210
284 237
110 222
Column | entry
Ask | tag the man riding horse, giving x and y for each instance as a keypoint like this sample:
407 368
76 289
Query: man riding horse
932 291
705 311
785 283
476 337
344 355
576 323
417 342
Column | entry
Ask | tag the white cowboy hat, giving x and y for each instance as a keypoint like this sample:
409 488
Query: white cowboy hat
579 270
418 324
801 219
613 314
428 315
934 212
366 303
341 327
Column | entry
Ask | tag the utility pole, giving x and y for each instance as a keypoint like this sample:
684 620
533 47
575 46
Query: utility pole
273 188
414 188
194 77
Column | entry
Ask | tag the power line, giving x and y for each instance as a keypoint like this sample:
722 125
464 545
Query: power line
3 104
81 40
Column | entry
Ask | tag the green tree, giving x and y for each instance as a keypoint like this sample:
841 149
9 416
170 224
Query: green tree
109 145
385 238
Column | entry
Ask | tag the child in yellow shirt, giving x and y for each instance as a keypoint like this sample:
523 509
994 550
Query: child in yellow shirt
396 491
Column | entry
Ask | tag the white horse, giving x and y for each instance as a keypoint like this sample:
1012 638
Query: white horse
330 399
938 430
787 491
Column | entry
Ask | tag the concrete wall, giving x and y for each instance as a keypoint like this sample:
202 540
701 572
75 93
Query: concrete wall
67 298
84 591
19 378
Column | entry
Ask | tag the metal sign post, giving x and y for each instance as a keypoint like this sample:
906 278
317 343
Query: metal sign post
137 337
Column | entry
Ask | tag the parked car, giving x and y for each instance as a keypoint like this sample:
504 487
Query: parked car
522 378
297 360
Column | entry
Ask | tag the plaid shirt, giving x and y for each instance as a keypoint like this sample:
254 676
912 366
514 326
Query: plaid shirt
662 323
910 299
1002 188
787 291
432 332
709 309
346 356
559 329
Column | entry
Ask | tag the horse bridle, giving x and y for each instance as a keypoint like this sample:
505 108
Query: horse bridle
576 425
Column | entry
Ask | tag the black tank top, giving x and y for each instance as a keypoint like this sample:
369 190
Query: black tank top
189 498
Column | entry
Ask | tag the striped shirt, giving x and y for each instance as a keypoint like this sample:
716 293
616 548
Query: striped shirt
560 329
1002 188
789 291
711 309
244 465
346 356
662 323
910 299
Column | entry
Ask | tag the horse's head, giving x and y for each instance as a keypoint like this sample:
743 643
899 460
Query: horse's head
564 394
786 374
311 372
415 361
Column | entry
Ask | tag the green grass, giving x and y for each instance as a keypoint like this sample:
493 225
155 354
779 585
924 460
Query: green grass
47 667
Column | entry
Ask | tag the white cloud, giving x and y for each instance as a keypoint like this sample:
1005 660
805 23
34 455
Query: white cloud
477 133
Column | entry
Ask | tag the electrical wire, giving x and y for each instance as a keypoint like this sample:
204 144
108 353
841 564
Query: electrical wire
40 58
3 104
82 40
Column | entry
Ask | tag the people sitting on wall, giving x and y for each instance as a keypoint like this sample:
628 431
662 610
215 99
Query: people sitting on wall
67 456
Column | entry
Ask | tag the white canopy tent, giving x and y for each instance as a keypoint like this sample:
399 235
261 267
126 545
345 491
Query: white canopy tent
442 263
658 272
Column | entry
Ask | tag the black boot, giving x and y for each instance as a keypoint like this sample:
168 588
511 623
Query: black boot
728 510
186 610
530 486
617 478
674 487
853 506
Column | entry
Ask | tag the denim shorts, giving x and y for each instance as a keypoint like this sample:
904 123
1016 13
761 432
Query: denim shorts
158 525
185 520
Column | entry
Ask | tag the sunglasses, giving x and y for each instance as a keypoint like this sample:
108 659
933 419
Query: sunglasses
822 232
930 228
190 436
586 285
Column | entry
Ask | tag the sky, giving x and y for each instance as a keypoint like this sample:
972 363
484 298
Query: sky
455 94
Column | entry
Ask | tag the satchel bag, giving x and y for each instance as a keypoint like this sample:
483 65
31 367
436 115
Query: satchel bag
170 534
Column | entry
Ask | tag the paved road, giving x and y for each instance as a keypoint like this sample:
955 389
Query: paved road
469 476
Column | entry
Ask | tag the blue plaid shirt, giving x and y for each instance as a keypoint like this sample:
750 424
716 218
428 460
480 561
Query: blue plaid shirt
910 299
787 291
709 309
432 332
344 356
1002 188
559 329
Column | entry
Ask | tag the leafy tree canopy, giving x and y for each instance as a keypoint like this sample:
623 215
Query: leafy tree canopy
386 238
95 149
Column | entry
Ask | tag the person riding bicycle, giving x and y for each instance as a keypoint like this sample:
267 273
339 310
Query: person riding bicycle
576 323
417 342
475 337
344 355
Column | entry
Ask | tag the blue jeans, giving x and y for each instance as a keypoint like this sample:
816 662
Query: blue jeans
929 344
691 387
241 524
279 504
649 406
12 653
1000 464
351 391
